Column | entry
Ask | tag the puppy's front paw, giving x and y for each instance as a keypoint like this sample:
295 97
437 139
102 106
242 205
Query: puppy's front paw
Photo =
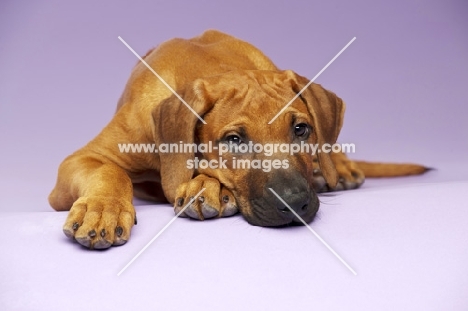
214 201
99 222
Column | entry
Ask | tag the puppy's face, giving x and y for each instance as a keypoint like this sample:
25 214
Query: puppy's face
238 108
258 153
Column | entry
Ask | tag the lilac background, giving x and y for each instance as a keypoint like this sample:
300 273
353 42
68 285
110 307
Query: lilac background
404 80
62 70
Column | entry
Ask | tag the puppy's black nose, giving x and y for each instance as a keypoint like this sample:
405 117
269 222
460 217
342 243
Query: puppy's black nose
287 191
298 202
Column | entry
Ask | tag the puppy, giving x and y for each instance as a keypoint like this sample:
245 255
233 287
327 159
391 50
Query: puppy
225 93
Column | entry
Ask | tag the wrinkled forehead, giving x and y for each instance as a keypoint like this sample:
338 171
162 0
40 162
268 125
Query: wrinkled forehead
257 92
253 104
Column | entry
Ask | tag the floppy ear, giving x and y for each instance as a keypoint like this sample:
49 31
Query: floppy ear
327 111
174 122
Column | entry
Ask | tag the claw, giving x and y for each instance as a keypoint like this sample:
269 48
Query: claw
92 233
180 201
119 231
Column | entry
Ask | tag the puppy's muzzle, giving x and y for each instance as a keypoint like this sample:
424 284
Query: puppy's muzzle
293 189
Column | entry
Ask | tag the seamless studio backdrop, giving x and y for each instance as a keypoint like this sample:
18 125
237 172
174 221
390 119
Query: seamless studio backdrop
62 70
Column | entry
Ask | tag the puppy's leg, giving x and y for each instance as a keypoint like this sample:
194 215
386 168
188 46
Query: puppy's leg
350 176
99 196
215 201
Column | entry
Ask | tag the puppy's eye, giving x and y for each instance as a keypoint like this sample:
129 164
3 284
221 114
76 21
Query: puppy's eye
234 139
301 130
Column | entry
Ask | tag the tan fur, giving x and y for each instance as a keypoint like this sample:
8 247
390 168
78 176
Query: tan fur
375 169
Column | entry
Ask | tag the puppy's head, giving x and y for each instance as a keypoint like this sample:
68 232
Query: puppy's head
240 110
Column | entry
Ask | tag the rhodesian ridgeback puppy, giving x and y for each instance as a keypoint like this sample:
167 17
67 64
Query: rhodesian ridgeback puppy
236 90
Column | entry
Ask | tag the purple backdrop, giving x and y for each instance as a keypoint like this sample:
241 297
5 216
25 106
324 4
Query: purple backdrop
404 80
63 69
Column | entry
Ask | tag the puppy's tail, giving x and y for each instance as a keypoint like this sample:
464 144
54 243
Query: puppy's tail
376 169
